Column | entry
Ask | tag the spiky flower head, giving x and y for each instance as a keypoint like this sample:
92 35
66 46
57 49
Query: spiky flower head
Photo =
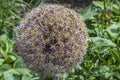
52 39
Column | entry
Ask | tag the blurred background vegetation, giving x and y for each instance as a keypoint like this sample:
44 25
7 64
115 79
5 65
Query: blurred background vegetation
102 61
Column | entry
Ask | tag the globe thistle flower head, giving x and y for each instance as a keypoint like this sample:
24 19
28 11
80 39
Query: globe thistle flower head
52 39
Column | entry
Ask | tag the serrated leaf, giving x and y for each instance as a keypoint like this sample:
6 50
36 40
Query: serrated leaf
99 4
100 42
88 13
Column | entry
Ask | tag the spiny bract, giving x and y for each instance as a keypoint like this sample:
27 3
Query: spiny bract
52 39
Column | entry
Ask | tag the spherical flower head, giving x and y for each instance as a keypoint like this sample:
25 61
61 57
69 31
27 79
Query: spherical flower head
52 39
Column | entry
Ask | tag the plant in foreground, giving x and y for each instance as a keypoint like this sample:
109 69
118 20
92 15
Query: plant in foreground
52 39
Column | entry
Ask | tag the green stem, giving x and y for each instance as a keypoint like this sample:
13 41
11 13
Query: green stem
105 11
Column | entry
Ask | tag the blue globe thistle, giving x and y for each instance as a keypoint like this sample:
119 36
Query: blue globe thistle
52 39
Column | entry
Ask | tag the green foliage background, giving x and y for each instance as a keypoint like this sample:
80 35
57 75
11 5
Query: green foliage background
102 61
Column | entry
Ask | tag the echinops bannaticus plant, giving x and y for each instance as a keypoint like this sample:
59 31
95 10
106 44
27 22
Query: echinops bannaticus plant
52 39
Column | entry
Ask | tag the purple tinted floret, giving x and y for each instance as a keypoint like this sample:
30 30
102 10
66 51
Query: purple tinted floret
52 39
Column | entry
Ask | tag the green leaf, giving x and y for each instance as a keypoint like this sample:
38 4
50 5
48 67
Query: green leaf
88 13
8 76
115 6
10 59
42 2
114 30
81 77
107 75
13 71
99 4
17 77
1 61
6 45
115 53
117 68
23 71
5 67
104 69
101 42
26 77
19 63
64 75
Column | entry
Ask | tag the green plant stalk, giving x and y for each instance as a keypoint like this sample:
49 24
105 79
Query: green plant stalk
105 11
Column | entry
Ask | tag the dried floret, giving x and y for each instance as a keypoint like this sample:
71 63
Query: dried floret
52 39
